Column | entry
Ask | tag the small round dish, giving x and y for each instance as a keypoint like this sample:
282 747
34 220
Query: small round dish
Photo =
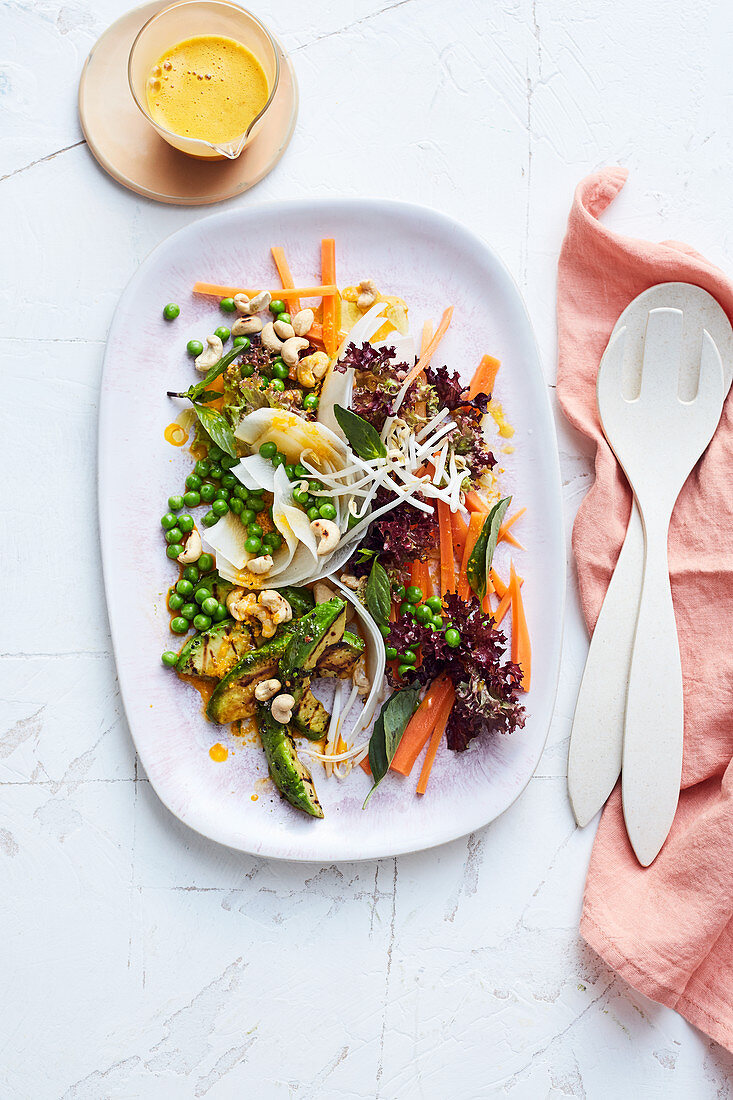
130 150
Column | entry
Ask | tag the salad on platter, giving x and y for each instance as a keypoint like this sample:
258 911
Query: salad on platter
336 595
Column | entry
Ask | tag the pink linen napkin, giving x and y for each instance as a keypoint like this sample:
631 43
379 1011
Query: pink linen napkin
667 929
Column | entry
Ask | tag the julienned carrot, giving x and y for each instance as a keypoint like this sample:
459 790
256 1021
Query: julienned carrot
504 604
485 376
364 765
475 503
460 533
427 335
521 649
447 561
427 355
500 588
315 334
420 726
435 739
509 537
283 270
510 522
229 291
330 303
474 530
427 581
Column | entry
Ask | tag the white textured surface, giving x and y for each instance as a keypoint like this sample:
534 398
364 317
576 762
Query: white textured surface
141 961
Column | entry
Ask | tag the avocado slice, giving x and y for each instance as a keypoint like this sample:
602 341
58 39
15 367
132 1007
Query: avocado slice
310 717
320 628
339 660
290 775
301 600
218 587
233 697
214 653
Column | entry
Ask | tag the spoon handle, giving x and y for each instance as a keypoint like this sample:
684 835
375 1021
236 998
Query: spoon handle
652 752
597 735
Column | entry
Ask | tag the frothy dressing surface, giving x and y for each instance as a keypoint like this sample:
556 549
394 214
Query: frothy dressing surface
208 87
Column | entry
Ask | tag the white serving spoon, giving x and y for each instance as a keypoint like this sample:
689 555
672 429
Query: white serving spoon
657 436
596 739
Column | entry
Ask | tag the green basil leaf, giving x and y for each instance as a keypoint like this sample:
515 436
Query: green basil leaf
214 372
378 593
215 424
482 555
208 395
362 437
387 733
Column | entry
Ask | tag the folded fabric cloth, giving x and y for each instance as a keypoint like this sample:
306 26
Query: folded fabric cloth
667 929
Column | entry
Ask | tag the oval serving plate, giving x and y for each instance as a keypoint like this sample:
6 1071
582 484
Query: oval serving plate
430 261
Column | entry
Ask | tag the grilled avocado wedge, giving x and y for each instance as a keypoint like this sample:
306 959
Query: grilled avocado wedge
339 659
301 600
216 651
310 717
314 632
290 775
233 697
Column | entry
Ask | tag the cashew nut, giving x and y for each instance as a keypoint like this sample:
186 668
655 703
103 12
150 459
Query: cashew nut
282 708
312 368
246 326
323 592
368 294
270 339
252 305
292 348
350 581
302 321
260 566
266 689
192 548
240 604
211 354
329 534
359 677
284 330
277 605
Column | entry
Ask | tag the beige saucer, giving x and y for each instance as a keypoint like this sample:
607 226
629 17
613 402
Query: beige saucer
129 149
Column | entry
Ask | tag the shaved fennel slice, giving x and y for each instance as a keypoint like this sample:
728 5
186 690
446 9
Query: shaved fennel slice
255 472
288 518
338 386
226 539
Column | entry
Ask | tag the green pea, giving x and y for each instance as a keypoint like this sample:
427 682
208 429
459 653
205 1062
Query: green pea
236 506
403 669
409 657
407 608
208 492
279 370
202 622
189 610
171 311
273 540
285 316
241 492
221 613
175 503
327 511
193 481
300 471
391 653
179 625
312 514
229 481
268 450
242 342
169 659
310 402
437 622
186 524
257 503
252 545
167 521
290 470
214 452
315 486
220 508
247 516
246 370
222 494
194 348
414 594
215 471
191 574
301 496
453 638
227 305
226 462
209 606
184 587
276 306
435 604
384 630
202 593
191 499
254 529
210 519
279 459
398 591
278 385
174 535
175 602
206 563
223 333
423 614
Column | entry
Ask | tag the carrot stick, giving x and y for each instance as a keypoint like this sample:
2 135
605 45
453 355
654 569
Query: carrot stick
475 503
365 766
278 255
435 739
415 572
460 533
447 560
420 726
427 580
504 604
474 530
427 335
521 649
229 291
509 537
499 587
331 303
427 355
510 522
315 334
485 377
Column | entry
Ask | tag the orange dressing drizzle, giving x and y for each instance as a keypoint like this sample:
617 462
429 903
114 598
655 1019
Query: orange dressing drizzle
175 434
218 752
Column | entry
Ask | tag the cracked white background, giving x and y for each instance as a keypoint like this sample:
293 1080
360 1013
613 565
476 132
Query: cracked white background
139 960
